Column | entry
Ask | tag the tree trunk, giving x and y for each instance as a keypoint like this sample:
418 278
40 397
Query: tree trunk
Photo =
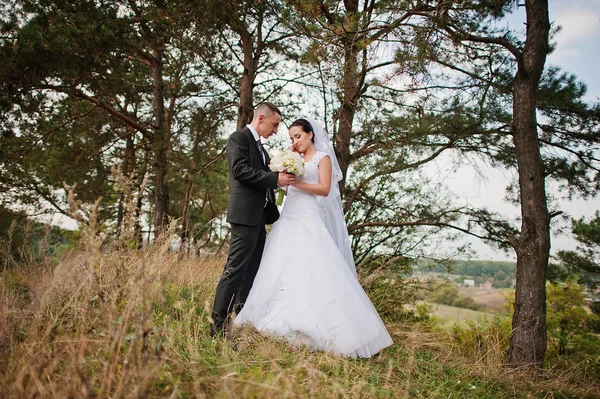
246 107
160 142
185 217
528 339
137 216
347 112
128 168
350 87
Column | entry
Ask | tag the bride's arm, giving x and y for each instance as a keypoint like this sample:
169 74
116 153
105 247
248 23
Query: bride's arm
324 184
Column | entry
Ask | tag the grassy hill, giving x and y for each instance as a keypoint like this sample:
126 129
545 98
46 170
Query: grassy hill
448 316
134 324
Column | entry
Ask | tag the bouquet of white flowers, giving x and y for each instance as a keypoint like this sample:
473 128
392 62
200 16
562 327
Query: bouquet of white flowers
287 161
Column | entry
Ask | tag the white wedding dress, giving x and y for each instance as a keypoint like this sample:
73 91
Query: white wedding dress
305 291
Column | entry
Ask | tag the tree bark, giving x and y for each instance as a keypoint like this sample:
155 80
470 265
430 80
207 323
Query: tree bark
137 228
528 339
185 217
347 110
351 93
160 141
246 107
250 62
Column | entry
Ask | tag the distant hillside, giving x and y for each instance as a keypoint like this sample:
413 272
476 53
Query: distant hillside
501 273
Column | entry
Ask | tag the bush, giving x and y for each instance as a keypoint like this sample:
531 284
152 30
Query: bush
485 339
26 242
449 295
465 302
571 337
595 308
393 295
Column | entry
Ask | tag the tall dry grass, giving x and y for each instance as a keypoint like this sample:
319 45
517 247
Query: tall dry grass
125 323
88 326
108 321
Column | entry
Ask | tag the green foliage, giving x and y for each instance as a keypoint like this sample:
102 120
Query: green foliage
501 274
570 123
24 241
585 262
392 292
569 325
473 268
88 105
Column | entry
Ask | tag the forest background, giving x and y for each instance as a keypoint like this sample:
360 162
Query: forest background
115 114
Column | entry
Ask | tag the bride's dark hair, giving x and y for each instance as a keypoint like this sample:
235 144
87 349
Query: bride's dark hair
306 127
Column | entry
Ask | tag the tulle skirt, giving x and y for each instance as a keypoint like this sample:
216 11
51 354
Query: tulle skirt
304 291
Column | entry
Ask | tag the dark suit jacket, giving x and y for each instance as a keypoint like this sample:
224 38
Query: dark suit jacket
249 180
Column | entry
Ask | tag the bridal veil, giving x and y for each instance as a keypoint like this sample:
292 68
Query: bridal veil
331 206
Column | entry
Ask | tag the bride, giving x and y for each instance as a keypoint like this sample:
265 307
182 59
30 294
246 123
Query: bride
306 288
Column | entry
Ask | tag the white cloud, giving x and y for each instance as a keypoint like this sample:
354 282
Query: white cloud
580 27
577 24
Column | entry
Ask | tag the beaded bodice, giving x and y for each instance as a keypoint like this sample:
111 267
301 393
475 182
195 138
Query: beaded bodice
300 204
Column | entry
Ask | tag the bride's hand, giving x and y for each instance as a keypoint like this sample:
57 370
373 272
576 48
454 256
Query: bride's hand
285 179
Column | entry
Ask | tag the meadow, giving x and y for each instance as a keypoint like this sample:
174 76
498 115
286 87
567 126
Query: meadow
121 323
447 317
489 300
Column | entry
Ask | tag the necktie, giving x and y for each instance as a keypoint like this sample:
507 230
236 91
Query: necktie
263 154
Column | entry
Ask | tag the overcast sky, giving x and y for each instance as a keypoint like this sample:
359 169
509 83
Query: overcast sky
578 42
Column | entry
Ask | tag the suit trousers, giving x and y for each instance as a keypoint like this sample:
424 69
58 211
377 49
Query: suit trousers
245 253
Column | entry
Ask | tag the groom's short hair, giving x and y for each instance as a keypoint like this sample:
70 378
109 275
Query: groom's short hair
267 108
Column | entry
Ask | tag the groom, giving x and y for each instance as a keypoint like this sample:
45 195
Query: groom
251 206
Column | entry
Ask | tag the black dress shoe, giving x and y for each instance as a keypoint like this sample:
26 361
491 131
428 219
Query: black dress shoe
216 332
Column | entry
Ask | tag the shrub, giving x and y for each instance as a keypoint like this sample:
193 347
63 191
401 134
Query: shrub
448 294
393 295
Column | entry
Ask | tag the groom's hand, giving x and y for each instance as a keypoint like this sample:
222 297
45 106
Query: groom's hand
286 179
